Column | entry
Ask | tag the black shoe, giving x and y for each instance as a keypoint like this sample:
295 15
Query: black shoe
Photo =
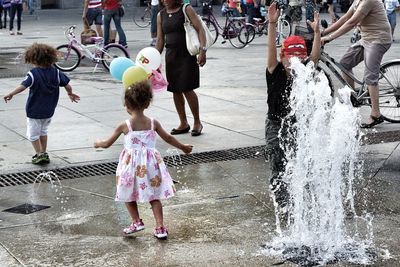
182 131
375 121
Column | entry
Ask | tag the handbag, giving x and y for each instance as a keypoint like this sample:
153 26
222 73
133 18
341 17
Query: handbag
192 37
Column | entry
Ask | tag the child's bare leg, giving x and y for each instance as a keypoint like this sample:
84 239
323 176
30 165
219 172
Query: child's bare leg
158 212
37 146
133 210
43 143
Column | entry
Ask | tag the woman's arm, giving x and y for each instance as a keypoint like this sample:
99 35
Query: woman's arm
195 19
273 15
85 8
160 34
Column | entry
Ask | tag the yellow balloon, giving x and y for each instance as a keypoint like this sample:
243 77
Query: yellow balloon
133 75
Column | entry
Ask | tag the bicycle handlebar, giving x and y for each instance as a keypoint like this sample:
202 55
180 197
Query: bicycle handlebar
70 32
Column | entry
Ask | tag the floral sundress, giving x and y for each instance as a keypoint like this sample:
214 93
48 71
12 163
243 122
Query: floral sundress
141 173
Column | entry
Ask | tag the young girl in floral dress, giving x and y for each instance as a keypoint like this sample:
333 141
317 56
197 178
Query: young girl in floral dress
141 173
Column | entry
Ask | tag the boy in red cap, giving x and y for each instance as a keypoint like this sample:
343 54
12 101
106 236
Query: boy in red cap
279 85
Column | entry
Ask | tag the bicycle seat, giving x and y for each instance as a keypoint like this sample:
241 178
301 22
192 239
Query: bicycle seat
257 19
96 39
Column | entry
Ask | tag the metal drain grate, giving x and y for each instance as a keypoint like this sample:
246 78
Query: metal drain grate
109 167
26 208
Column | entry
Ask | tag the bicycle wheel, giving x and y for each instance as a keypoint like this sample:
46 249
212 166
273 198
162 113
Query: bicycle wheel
110 52
251 31
142 20
389 91
283 30
68 58
212 27
237 34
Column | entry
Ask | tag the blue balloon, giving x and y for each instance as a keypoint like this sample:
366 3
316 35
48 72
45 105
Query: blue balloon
119 65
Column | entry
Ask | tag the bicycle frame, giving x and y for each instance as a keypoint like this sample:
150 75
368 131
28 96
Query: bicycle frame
72 41
228 19
333 66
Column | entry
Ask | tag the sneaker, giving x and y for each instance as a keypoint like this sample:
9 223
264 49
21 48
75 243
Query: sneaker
36 159
45 158
19 33
134 227
12 33
161 233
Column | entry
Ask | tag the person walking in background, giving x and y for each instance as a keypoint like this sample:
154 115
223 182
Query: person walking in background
155 7
43 81
295 12
16 9
391 7
251 10
1 14
182 69
234 6
31 6
376 39
141 174
332 10
6 8
111 11
92 12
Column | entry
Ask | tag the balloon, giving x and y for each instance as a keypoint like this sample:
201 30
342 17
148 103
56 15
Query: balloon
133 75
119 65
158 82
149 58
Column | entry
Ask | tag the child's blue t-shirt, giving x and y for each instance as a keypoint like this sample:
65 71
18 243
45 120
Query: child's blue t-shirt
44 91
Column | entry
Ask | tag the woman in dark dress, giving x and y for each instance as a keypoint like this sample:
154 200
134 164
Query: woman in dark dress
182 69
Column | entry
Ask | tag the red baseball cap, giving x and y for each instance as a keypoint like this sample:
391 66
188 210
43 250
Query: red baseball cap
294 46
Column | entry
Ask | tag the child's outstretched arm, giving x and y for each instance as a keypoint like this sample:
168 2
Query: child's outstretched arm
316 48
105 143
17 90
74 98
170 139
273 16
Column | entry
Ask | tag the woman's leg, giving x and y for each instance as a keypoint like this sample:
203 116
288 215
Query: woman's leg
158 212
121 33
179 101
193 102
107 21
133 210
1 16
12 16
19 15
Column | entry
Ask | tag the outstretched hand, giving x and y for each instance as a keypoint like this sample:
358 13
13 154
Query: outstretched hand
187 148
273 13
74 98
315 24
8 97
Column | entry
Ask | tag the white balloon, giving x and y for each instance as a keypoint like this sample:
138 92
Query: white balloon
149 58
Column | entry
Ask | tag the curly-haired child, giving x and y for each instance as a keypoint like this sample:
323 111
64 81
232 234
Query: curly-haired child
141 173
43 81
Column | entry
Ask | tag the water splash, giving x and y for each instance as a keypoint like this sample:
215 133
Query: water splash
55 186
322 148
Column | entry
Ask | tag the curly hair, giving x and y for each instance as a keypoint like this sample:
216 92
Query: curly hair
42 55
138 96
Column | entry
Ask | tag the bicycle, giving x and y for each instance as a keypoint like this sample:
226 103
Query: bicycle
234 29
143 20
389 83
71 54
260 27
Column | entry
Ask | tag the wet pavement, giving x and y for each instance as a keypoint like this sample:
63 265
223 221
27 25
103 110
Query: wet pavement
222 213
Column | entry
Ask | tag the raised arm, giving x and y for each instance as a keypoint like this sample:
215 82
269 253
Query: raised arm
316 48
273 15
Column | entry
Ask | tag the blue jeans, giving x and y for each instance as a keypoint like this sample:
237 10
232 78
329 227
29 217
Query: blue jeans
113 14
154 12
16 9
392 20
